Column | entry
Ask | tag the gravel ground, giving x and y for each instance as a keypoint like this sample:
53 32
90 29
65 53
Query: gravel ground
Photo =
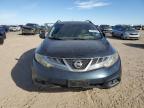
17 91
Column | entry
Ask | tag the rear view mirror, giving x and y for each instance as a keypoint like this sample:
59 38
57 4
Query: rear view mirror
42 35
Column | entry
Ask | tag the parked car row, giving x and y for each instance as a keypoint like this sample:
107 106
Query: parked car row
14 28
139 27
121 31
125 32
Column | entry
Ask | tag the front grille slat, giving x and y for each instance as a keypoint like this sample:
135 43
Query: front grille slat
95 60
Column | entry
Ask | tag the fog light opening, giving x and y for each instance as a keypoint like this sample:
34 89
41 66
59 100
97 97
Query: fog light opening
113 82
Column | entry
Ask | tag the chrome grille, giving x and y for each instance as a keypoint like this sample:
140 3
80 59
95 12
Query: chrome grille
84 62
68 63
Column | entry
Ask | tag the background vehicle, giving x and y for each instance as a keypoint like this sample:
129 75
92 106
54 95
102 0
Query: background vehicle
125 32
2 34
14 28
6 27
31 28
142 27
106 29
43 31
48 26
137 27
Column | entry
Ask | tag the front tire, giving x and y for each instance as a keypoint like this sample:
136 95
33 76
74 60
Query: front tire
113 34
1 41
122 37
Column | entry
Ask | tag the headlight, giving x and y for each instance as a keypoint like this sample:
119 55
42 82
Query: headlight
111 60
42 60
105 61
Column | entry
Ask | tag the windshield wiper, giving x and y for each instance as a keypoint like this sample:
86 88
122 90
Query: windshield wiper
82 39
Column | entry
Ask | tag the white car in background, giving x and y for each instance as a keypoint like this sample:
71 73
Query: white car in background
14 28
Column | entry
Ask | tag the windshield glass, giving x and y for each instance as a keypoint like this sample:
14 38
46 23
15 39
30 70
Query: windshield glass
106 26
74 32
130 29
31 25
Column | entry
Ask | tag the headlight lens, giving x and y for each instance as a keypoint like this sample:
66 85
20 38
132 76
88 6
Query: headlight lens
111 60
106 62
42 60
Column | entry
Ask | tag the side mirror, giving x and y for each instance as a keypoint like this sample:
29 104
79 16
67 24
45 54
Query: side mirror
42 35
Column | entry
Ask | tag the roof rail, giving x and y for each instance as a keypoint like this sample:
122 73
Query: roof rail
89 21
58 21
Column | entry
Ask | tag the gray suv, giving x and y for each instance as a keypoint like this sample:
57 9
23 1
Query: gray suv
31 28
76 54
125 32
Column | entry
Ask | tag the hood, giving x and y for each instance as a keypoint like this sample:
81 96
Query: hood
75 48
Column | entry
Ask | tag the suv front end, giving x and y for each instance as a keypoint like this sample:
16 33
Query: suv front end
77 62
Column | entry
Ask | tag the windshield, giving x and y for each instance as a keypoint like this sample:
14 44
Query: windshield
74 32
130 29
106 26
31 25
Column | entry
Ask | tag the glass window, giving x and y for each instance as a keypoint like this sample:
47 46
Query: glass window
74 32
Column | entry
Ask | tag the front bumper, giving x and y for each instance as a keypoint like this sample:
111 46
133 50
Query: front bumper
132 37
62 77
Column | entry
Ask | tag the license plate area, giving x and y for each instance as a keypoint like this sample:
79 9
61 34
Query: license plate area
81 83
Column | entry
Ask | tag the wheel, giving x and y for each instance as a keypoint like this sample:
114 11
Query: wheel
113 34
122 37
5 36
1 41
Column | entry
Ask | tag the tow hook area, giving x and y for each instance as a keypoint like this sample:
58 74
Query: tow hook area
113 83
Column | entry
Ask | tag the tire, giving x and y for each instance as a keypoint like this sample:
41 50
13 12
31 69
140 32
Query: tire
122 37
4 36
113 34
1 41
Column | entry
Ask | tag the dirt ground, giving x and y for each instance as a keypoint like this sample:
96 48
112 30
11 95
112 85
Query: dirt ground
17 91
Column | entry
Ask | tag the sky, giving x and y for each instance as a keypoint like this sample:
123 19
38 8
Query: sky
49 11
